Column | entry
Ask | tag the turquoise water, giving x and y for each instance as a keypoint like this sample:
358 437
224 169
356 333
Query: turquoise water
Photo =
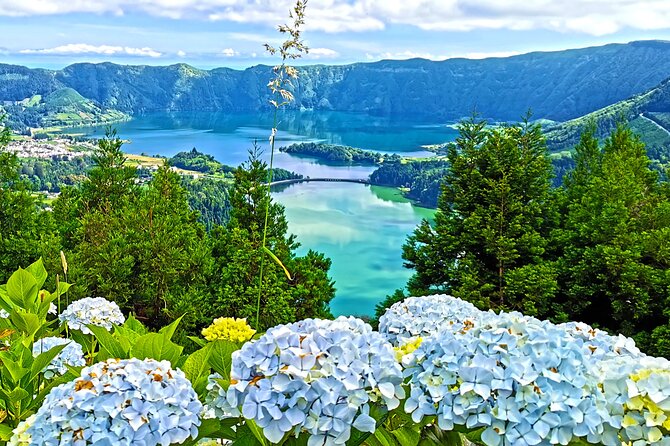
361 228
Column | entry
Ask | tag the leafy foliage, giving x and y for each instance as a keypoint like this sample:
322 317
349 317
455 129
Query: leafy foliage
422 178
339 154
139 246
489 236
238 252
613 241
25 233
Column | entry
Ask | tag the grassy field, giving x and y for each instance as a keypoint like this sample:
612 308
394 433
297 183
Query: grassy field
149 161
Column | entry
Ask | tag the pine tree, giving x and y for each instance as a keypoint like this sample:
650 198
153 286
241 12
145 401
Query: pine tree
488 241
238 253
140 246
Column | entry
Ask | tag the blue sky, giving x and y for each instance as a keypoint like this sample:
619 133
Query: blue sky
213 33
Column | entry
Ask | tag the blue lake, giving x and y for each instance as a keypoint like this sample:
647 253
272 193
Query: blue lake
361 228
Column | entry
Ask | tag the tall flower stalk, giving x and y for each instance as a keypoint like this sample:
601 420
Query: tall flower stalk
284 76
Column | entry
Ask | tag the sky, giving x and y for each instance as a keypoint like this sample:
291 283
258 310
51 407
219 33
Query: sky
231 33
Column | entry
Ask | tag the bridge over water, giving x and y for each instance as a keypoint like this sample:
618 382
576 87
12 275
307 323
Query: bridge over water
333 180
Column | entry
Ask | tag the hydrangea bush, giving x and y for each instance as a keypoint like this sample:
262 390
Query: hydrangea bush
92 311
313 376
72 355
526 381
120 402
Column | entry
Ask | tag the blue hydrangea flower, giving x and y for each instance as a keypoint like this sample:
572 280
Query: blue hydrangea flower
92 311
120 402
527 381
426 315
313 376
72 355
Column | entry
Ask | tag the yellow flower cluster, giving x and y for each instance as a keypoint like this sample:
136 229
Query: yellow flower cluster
407 347
642 405
229 329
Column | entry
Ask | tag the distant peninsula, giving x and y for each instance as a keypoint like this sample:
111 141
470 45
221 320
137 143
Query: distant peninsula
339 154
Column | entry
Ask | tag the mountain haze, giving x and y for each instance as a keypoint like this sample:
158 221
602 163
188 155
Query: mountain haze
559 85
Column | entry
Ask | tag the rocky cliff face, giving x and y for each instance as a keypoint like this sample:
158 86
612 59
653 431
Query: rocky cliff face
555 85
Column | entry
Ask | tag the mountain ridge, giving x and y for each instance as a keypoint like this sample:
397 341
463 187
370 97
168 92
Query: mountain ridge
556 85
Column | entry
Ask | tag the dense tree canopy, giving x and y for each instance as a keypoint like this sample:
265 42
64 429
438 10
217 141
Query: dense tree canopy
238 254
140 246
615 241
489 236
25 233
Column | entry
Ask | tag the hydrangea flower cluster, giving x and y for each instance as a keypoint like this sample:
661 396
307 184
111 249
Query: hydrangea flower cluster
313 376
526 381
20 437
229 329
120 402
638 398
426 315
72 355
92 311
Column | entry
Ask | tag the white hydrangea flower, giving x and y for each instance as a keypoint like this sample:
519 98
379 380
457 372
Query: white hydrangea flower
426 315
72 355
92 311
120 402
313 376
21 437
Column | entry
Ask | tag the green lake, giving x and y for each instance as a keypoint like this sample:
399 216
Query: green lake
361 228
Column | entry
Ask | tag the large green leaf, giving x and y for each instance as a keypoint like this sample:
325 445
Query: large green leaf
5 301
18 394
22 289
5 432
383 437
245 437
111 346
169 330
156 346
215 428
26 322
39 272
257 431
198 341
407 435
135 325
196 368
43 359
221 357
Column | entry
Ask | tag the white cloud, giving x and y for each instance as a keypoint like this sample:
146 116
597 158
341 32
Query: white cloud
401 55
181 53
229 52
83 48
595 17
486 55
322 53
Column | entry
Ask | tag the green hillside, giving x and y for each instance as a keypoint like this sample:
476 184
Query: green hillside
64 107
647 113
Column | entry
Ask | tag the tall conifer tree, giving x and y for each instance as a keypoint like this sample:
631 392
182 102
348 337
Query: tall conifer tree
490 233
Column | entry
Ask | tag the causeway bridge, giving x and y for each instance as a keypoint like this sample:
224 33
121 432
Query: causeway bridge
332 180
